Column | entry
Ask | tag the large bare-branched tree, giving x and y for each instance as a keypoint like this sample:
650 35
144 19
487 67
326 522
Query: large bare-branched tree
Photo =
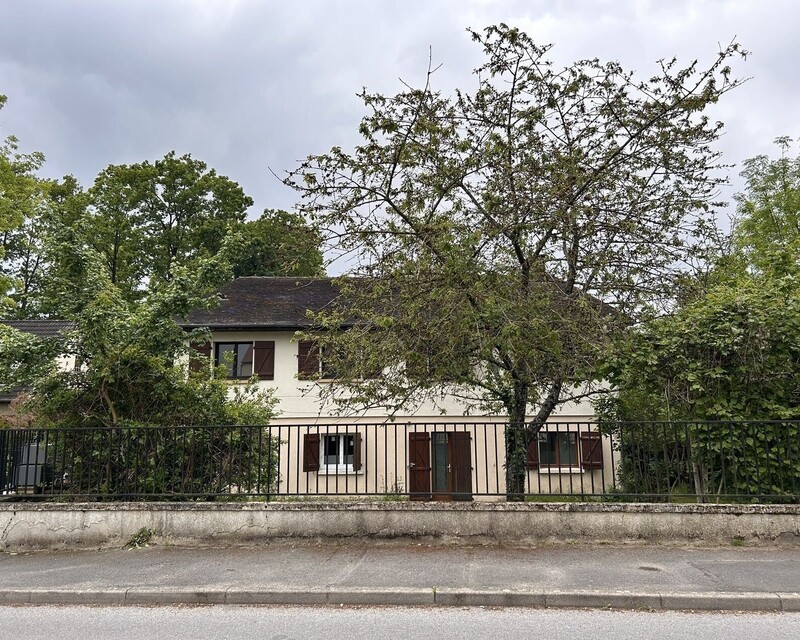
498 237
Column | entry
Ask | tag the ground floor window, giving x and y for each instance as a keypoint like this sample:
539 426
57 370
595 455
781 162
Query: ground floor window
338 451
558 449
332 452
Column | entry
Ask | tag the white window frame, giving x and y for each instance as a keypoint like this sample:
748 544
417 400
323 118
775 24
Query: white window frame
340 467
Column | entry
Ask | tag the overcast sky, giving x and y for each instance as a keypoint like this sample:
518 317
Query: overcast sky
249 86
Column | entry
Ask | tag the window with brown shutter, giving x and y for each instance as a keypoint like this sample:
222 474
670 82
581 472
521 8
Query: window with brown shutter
332 452
553 449
236 357
558 449
591 450
264 359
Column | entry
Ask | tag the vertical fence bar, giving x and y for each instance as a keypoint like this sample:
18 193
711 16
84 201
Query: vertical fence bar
375 462
394 433
497 458
281 486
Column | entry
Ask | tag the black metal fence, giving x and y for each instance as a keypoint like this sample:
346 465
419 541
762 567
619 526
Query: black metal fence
656 461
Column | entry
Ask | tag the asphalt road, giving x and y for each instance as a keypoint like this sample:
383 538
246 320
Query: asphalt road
355 623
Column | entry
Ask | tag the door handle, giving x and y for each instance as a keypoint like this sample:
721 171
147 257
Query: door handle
411 465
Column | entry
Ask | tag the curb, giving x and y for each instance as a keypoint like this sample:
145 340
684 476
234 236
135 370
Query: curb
445 597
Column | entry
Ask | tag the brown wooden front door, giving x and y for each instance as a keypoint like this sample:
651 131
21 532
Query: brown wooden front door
459 447
440 466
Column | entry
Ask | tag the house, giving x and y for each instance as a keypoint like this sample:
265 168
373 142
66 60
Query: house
42 329
432 451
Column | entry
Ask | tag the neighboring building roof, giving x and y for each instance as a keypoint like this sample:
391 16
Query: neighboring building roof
266 303
41 328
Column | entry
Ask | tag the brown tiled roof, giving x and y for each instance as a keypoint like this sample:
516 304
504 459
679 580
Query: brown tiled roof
268 303
276 303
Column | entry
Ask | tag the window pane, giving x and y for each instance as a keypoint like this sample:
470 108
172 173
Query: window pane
349 448
244 365
547 449
331 453
558 449
567 449
226 355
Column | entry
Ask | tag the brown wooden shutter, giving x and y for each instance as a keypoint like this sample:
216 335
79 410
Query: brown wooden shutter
264 359
356 451
199 361
307 359
311 452
591 450
533 452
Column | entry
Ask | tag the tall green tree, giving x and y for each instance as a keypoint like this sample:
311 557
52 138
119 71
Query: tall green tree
768 222
488 227
278 243
131 371
731 350
32 259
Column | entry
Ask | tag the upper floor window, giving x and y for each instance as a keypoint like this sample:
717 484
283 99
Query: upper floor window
313 365
242 360
311 362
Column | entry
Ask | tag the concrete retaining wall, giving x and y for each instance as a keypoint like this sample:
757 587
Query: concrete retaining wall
38 525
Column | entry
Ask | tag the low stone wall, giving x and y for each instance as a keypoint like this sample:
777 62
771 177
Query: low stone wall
54 526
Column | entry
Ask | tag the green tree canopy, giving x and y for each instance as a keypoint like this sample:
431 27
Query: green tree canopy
732 349
148 218
31 261
732 354
768 223
130 357
22 195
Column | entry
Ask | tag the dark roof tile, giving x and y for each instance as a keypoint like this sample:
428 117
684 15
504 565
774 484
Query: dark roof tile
267 303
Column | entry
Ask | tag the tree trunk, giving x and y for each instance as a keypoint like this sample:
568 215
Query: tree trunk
519 434
517 445
699 472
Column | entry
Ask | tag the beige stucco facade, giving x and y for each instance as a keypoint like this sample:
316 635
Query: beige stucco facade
385 459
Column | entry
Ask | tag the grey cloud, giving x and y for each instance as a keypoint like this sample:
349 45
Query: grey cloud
248 86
